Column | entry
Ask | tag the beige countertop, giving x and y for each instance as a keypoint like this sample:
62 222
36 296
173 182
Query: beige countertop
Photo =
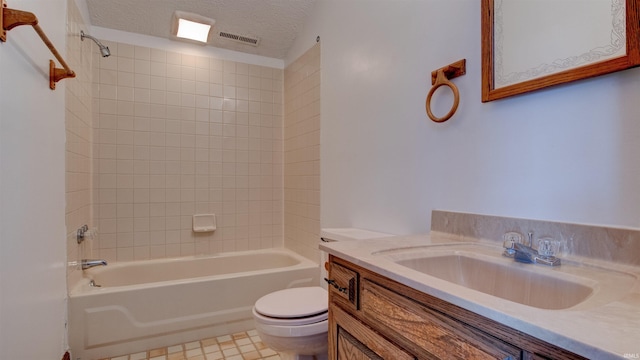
604 326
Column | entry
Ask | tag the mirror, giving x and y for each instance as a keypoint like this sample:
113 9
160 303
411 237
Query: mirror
532 44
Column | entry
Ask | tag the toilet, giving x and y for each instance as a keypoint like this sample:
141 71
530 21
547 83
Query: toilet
294 321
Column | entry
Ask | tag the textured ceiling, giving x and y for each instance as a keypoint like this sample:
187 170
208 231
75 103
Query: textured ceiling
275 22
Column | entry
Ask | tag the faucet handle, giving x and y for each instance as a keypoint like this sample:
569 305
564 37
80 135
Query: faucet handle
508 244
548 247
509 241
511 237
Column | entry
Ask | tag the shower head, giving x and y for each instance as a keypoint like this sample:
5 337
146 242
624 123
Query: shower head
104 50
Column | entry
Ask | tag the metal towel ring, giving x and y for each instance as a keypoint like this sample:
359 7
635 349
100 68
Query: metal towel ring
441 80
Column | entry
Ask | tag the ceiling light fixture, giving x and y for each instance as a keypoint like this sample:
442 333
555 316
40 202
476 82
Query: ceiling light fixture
191 27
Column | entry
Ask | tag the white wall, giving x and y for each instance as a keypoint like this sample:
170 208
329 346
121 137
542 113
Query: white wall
32 202
568 154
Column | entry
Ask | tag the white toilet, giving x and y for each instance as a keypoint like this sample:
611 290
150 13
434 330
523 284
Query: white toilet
294 322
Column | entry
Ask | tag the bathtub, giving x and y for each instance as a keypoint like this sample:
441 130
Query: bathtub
144 305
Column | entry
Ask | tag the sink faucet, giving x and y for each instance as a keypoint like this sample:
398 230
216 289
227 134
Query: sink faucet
87 264
527 254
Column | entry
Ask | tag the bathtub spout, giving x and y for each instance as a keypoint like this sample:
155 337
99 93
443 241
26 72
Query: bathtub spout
87 264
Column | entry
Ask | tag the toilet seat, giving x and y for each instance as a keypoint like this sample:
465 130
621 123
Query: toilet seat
291 321
292 307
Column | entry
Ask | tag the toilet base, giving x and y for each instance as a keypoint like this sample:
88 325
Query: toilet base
310 347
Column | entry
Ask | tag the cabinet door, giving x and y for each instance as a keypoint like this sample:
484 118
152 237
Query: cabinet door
349 339
431 331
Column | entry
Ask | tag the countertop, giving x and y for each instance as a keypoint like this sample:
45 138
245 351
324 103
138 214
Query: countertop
608 330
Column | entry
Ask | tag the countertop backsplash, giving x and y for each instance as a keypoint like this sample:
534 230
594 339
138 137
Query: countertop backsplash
621 245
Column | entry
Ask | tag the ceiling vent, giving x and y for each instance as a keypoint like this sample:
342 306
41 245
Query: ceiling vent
240 38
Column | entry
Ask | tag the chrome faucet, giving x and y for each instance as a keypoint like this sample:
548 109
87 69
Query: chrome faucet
527 254
87 264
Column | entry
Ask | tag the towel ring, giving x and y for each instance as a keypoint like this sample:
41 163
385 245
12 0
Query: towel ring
441 80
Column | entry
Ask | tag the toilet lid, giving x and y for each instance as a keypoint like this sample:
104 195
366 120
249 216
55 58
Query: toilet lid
293 303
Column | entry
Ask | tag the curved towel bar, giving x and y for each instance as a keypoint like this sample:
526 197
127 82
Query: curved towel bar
10 18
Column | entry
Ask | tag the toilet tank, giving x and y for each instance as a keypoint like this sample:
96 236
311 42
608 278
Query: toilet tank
342 234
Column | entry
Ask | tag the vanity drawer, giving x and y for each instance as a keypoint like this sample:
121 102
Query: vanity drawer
429 330
343 284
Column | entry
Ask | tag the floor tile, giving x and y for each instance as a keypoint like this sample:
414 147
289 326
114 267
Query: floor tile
245 345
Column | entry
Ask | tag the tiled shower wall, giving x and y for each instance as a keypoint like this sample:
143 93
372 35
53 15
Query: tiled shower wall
78 102
302 154
177 135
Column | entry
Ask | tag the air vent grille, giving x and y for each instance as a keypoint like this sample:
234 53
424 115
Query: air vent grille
240 38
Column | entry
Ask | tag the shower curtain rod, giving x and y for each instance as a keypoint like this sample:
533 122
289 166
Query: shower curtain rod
10 18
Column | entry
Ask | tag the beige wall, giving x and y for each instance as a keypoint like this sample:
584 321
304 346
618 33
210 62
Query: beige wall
302 154
177 135
78 123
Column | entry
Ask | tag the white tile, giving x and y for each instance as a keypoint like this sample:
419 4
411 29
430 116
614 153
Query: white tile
173 71
246 348
194 352
230 352
188 60
158 55
142 80
173 58
125 78
215 356
126 65
138 356
142 67
125 50
224 338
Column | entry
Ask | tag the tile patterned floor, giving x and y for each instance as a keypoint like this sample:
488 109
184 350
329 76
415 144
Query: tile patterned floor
239 346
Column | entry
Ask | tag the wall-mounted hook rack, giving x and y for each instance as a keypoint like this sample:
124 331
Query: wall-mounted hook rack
11 18
441 77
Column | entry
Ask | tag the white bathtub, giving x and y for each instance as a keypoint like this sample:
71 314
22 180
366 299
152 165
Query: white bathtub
148 304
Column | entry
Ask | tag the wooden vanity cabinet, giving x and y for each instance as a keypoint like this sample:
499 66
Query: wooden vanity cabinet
373 317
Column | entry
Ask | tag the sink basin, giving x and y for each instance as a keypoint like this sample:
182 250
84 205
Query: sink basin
482 268
510 283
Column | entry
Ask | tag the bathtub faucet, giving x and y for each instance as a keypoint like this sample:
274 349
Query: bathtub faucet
87 264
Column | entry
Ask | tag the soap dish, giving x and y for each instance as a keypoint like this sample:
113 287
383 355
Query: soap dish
204 223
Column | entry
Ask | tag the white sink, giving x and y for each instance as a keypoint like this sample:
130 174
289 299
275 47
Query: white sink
483 269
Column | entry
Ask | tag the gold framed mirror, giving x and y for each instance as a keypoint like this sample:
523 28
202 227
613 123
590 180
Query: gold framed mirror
533 44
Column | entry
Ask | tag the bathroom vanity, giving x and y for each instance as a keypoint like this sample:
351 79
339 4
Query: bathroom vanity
401 297
375 317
